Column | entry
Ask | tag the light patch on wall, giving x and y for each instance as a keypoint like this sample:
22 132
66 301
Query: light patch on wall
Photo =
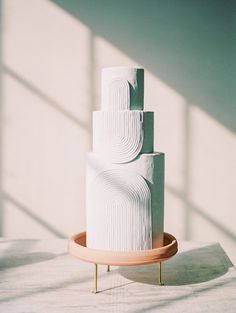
212 184
174 214
43 159
47 118
50 50
169 108
106 55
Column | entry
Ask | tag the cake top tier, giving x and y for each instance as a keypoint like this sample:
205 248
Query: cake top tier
122 88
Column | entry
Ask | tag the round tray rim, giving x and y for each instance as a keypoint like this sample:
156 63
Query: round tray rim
77 248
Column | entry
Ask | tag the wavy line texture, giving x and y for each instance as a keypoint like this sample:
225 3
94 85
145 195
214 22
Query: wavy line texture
119 212
119 95
119 136
151 167
122 88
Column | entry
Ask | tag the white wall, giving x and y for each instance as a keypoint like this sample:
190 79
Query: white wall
52 55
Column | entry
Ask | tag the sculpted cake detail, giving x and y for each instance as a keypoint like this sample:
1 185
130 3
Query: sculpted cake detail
125 178
122 206
119 136
122 88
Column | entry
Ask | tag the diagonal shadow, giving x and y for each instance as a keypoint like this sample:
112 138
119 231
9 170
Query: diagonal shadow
186 268
32 215
25 259
172 300
199 211
38 92
54 287
171 42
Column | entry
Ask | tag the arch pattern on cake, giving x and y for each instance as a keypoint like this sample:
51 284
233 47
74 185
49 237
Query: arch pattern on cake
119 95
135 79
119 211
118 135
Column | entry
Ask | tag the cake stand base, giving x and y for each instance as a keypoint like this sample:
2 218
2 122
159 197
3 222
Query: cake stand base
77 247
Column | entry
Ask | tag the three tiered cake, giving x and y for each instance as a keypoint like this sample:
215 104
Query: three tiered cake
125 177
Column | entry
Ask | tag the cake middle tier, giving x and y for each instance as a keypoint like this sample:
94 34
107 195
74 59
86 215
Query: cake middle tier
120 136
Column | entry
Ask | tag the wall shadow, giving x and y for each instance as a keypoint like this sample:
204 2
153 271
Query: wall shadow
200 211
43 96
190 45
35 217
186 268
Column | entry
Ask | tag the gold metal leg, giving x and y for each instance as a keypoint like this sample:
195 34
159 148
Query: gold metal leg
95 278
108 268
159 274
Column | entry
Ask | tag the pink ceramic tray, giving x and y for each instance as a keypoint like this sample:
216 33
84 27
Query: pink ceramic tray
77 248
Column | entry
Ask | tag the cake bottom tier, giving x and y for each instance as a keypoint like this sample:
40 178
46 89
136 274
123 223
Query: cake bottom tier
125 203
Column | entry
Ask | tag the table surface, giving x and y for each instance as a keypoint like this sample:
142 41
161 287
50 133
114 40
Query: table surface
40 276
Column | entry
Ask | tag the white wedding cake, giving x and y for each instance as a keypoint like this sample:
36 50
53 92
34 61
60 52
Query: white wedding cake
125 177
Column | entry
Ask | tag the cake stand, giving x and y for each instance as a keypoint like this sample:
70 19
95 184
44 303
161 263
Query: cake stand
77 248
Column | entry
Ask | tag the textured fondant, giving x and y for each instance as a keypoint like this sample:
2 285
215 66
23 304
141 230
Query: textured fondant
119 95
125 203
122 88
125 179
119 136
120 214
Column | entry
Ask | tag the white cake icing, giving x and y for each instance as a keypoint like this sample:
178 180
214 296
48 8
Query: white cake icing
122 88
119 95
108 183
119 212
124 178
119 136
